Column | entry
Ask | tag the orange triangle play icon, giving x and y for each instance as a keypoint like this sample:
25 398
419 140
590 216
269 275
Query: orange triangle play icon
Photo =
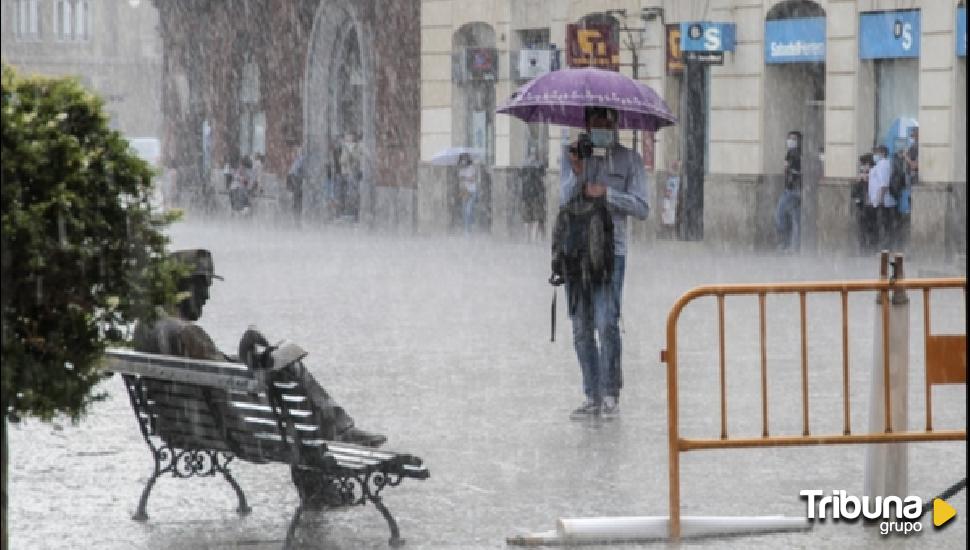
942 512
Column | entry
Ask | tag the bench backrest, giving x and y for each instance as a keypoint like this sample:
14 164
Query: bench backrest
197 404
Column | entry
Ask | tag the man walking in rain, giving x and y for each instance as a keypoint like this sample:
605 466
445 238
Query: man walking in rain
616 175
175 333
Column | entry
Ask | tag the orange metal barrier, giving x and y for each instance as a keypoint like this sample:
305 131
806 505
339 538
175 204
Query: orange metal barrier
946 363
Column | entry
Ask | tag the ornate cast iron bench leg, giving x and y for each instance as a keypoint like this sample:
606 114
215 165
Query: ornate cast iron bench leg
395 540
141 514
243 508
292 529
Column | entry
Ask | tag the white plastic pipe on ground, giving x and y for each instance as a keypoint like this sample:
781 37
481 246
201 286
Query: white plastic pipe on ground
604 530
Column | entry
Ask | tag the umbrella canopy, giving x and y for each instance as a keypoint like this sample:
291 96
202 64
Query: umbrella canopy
449 156
561 97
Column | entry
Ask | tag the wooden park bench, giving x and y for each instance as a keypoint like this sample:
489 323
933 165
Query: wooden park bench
197 416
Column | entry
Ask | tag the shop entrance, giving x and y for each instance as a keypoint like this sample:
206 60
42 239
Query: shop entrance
795 102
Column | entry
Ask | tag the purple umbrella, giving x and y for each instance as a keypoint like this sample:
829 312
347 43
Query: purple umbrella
561 97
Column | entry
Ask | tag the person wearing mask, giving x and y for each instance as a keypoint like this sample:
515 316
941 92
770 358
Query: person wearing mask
902 193
617 176
788 214
467 190
882 201
863 211
175 332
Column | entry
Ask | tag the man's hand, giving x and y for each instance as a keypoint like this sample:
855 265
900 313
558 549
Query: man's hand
594 190
576 163
247 346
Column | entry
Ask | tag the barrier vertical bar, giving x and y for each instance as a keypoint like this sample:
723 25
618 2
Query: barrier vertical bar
926 354
801 305
673 432
764 365
846 426
887 395
720 334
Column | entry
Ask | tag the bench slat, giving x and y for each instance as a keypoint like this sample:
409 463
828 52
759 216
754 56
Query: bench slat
215 374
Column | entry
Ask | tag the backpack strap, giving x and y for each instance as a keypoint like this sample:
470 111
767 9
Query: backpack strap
552 337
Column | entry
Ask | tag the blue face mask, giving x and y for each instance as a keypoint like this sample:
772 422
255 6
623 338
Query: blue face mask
601 137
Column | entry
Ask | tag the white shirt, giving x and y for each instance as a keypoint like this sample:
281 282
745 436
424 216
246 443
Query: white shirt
878 179
468 176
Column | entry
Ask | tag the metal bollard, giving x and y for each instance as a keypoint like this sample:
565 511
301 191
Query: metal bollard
886 470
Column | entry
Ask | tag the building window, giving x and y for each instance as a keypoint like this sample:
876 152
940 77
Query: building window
72 20
28 20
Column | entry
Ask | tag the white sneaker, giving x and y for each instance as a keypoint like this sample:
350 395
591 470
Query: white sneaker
611 407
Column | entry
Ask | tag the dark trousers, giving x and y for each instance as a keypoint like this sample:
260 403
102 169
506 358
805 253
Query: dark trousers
869 229
888 220
298 201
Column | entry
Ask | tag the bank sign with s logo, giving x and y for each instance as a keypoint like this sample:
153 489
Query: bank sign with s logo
704 36
889 34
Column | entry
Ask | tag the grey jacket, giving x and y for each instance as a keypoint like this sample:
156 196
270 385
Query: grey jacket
626 195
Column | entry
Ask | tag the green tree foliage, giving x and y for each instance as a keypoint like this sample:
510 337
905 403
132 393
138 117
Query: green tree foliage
83 254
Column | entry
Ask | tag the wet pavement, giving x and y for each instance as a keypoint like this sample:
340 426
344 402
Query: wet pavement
443 344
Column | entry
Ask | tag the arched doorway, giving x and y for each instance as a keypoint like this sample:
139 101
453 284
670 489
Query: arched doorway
795 101
339 103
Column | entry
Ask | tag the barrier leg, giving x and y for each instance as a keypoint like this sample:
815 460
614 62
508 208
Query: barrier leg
886 470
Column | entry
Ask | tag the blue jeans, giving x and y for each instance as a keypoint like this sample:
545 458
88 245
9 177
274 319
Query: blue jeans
468 211
788 218
600 314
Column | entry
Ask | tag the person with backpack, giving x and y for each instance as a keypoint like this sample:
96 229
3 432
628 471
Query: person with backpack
901 184
880 197
602 184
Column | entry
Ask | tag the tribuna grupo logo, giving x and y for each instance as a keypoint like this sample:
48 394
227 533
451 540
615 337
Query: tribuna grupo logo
894 514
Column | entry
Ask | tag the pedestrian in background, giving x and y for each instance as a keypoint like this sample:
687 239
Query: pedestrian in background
862 209
788 214
467 190
534 195
294 183
351 173
882 201
902 192
912 157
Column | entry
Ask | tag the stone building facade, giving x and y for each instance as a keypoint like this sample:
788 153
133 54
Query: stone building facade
734 115
112 47
270 76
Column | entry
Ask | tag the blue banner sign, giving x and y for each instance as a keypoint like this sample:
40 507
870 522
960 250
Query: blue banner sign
962 31
889 34
704 36
800 40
